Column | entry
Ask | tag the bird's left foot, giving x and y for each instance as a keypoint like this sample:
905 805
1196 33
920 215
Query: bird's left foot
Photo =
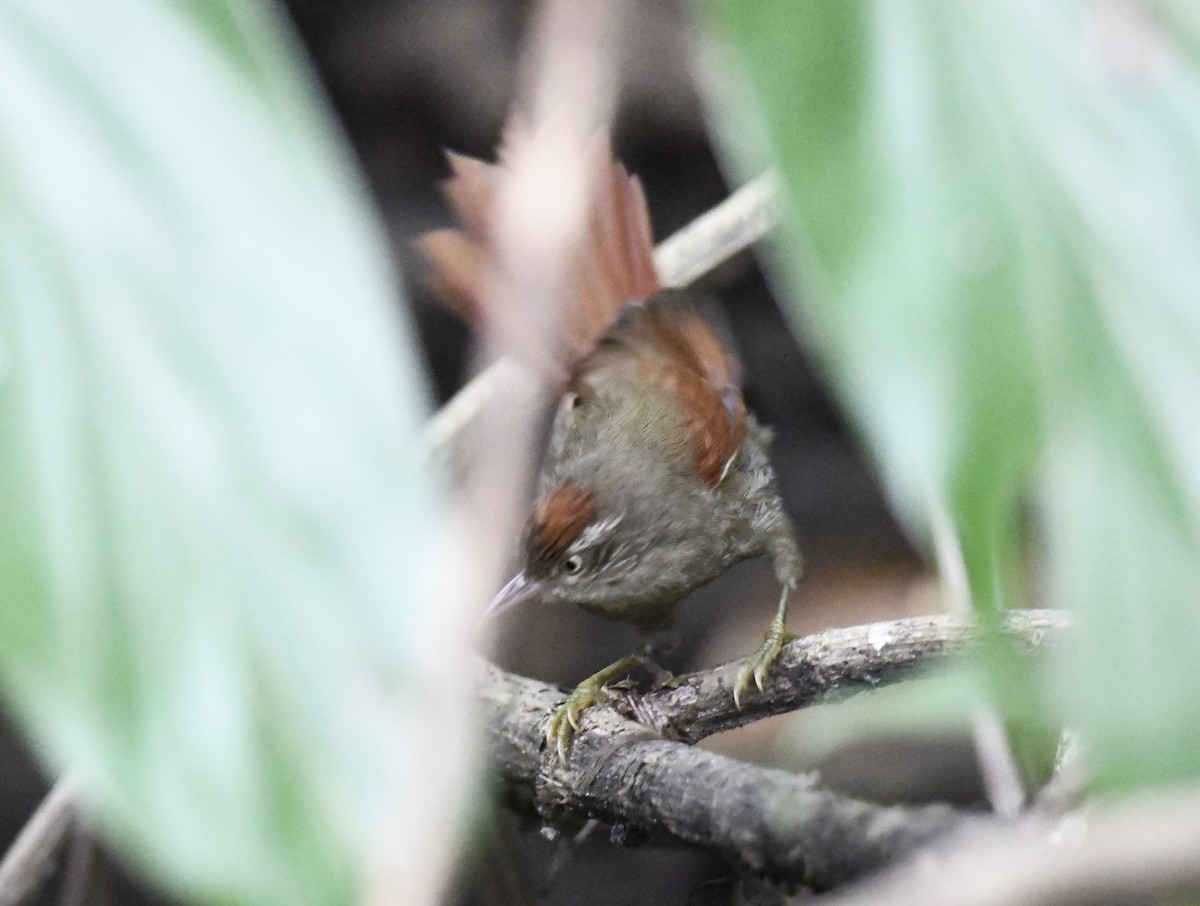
758 665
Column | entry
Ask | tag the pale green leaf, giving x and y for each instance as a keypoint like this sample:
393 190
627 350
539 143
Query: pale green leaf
212 522
993 238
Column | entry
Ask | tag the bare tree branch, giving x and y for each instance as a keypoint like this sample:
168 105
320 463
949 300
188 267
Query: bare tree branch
30 859
768 821
828 665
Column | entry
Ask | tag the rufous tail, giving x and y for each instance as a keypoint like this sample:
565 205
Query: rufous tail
613 265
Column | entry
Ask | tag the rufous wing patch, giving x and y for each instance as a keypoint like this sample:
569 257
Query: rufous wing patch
612 267
676 348
558 518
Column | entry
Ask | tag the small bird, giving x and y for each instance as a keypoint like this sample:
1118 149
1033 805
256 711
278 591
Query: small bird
656 478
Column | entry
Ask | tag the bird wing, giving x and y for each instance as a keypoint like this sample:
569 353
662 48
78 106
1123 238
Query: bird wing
667 345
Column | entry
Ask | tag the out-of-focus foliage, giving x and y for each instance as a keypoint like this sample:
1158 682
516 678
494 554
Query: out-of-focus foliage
943 701
993 239
211 521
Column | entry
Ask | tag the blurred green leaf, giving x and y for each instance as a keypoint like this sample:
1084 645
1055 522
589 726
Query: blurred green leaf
212 523
995 217
941 701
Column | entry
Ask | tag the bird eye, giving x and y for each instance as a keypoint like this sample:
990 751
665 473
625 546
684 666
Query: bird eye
572 564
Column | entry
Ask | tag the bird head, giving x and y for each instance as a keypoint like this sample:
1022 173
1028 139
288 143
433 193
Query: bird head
613 548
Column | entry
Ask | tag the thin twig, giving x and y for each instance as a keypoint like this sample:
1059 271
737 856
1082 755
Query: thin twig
714 237
738 222
993 748
1068 781
30 859
462 409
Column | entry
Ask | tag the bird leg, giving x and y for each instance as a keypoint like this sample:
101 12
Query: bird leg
565 721
788 566
759 664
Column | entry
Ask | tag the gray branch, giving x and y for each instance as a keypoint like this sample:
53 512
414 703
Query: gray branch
828 666
768 821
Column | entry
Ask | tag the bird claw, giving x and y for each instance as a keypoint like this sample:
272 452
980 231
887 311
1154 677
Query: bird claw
565 722
758 665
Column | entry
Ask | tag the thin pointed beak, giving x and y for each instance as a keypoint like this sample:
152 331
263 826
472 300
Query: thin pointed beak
518 590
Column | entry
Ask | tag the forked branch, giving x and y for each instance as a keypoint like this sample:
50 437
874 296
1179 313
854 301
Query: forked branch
768 821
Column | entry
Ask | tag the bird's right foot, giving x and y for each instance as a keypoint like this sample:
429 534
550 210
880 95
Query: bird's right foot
564 723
